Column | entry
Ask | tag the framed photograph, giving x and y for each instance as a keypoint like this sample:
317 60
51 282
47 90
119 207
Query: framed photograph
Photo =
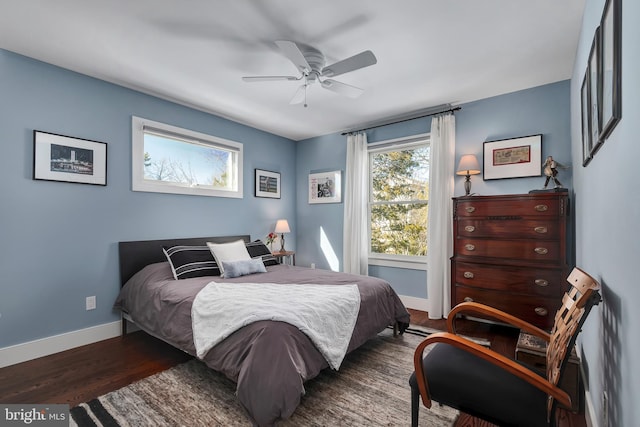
325 187
586 123
513 158
610 67
66 159
267 184
595 99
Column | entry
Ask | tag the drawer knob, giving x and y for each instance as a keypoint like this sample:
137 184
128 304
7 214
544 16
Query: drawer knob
541 282
468 299
541 230
541 311
470 209
470 247
541 251
541 208
468 275
470 228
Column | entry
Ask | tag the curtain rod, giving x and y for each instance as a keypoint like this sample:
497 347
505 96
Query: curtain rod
450 110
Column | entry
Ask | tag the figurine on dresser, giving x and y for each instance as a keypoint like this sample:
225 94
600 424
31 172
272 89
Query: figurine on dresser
550 168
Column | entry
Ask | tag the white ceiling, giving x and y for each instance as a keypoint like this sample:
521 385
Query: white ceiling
194 52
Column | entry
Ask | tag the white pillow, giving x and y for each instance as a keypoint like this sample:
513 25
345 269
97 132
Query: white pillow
226 252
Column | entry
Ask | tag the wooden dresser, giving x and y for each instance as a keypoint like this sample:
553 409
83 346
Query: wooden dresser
510 252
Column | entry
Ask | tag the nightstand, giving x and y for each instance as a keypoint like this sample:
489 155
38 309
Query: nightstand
283 256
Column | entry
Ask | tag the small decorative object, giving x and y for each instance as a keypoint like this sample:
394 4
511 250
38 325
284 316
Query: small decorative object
513 158
67 159
325 187
282 226
267 184
468 166
550 168
270 238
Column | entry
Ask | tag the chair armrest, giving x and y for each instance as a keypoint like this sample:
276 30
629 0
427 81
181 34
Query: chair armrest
487 311
489 355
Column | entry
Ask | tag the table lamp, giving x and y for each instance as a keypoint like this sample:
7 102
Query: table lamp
468 166
282 226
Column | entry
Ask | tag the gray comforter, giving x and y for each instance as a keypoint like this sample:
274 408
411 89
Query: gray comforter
269 361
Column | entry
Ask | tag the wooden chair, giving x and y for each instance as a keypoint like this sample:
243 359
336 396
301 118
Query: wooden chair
482 383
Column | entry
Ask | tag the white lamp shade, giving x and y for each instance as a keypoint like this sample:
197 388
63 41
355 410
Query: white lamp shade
468 165
282 226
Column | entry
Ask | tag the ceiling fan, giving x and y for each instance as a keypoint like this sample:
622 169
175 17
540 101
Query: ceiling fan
311 64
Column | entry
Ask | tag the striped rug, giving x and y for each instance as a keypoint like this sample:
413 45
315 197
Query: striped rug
370 389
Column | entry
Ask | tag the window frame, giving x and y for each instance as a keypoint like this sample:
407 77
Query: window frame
139 183
414 262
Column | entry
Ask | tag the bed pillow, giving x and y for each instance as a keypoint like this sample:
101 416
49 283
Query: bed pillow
191 261
257 249
225 252
242 268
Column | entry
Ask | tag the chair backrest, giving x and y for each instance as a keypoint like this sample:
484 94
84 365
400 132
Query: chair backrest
577 302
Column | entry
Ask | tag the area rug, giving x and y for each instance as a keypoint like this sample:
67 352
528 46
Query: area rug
370 389
425 331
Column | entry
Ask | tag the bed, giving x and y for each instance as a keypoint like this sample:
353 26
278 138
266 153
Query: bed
269 360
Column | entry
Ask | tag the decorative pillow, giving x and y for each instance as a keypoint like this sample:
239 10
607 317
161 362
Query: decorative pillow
257 249
242 268
225 252
191 261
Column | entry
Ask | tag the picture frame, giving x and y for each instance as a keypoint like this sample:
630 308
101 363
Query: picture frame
513 158
610 67
68 159
585 118
267 184
325 187
595 98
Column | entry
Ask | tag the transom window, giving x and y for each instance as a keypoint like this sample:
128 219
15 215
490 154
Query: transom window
168 159
398 199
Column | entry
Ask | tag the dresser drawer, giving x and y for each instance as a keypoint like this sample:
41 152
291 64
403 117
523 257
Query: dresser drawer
522 280
526 250
516 207
520 229
538 311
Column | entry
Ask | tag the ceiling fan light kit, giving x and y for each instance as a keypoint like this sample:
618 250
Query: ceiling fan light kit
310 63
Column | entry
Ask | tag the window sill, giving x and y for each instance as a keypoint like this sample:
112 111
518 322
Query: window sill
411 264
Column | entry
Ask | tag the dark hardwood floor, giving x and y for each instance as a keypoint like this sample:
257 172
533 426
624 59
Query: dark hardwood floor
84 373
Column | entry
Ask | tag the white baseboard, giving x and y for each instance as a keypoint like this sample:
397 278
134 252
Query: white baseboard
46 346
415 303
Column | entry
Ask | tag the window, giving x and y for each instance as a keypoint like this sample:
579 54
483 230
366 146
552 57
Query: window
398 201
168 159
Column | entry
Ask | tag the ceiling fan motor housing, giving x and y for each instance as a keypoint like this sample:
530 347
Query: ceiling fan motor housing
316 61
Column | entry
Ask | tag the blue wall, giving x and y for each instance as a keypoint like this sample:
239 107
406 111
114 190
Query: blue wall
59 240
607 230
541 110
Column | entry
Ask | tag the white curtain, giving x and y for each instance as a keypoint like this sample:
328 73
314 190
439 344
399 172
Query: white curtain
440 222
355 238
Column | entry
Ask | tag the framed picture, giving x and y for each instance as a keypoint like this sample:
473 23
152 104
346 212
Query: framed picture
513 158
595 99
610 67
267 184
325 187
66 159
586 123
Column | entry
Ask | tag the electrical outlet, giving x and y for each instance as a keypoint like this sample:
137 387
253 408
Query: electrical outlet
313 265
91 303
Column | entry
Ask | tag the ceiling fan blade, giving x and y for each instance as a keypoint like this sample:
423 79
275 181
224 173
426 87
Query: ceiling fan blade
298 97
342 88
268 78
355 62
294 54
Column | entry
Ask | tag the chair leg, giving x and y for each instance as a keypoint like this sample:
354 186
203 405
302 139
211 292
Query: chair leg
415 406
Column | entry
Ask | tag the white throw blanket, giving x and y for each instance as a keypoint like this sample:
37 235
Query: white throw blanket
327 314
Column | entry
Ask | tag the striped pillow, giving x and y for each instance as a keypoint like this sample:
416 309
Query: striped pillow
191 261
257 249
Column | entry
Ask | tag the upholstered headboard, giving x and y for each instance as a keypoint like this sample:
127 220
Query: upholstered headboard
137 254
